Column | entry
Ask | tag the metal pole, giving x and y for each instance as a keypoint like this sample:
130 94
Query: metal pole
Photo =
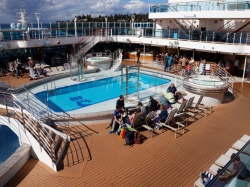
122 80
243 76
75 27
138 83
127 83
144 54
28 100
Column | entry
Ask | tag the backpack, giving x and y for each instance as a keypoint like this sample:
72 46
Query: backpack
129 138
122 133
137 137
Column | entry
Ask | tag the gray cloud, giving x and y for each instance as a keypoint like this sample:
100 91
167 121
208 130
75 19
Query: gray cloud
53 10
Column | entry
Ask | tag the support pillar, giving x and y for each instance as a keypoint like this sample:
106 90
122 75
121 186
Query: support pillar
193 53
178 51
244 71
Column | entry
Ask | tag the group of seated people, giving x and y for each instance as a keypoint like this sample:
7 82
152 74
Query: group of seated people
35 71
121 115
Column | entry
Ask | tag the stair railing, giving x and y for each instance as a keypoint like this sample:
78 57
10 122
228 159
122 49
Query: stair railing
85 41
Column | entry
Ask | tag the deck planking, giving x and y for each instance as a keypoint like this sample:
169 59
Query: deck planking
160 161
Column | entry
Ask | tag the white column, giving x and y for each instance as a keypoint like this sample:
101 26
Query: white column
144 53
75 27
244 71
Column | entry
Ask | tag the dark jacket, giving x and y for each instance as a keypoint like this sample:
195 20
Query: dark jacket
152 106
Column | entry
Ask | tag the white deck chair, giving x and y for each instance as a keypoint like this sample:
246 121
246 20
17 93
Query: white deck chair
11 68
54 71
239 144
37 64
62 70
214 168
44 64
170 119
225 158
33 75
245 138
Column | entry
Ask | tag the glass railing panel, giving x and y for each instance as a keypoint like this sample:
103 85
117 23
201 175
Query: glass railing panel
163 8
122 24
117 24
128 24
236 172
86 24
182 7
92 25
111 25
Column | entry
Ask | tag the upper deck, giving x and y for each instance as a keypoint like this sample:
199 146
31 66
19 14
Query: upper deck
201 9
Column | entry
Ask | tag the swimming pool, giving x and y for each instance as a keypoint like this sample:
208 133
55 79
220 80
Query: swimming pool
73 97
8 142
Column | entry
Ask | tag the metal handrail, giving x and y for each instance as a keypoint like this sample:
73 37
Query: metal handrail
46 102
215 71
20 107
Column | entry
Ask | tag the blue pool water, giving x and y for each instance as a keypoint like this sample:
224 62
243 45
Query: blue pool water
85 94
8 142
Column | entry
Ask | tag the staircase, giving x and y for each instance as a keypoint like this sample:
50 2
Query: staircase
231 25
117 60
41 124
84 45
184 24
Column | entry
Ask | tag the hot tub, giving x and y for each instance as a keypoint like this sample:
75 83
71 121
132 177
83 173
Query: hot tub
9 142
101 62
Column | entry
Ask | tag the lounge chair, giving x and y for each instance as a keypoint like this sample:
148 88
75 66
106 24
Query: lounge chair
149 121
47 70
62 70
54 71
239 144
245 138
44 64
33 75
183 110
170 119
37 64
214 168
200 107
137 123
11 68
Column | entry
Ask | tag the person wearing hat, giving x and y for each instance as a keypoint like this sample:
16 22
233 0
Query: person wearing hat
31 63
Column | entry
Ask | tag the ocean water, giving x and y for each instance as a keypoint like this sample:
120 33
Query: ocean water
85 94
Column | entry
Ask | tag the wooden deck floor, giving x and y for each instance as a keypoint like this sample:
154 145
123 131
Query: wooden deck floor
96 158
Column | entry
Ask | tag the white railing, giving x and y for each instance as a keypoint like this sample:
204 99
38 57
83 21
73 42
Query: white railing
43 134
117 59
212 70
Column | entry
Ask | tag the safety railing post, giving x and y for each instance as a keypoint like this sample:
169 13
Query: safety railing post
28 99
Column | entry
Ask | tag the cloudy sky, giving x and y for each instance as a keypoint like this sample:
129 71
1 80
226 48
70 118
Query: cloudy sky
52 10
